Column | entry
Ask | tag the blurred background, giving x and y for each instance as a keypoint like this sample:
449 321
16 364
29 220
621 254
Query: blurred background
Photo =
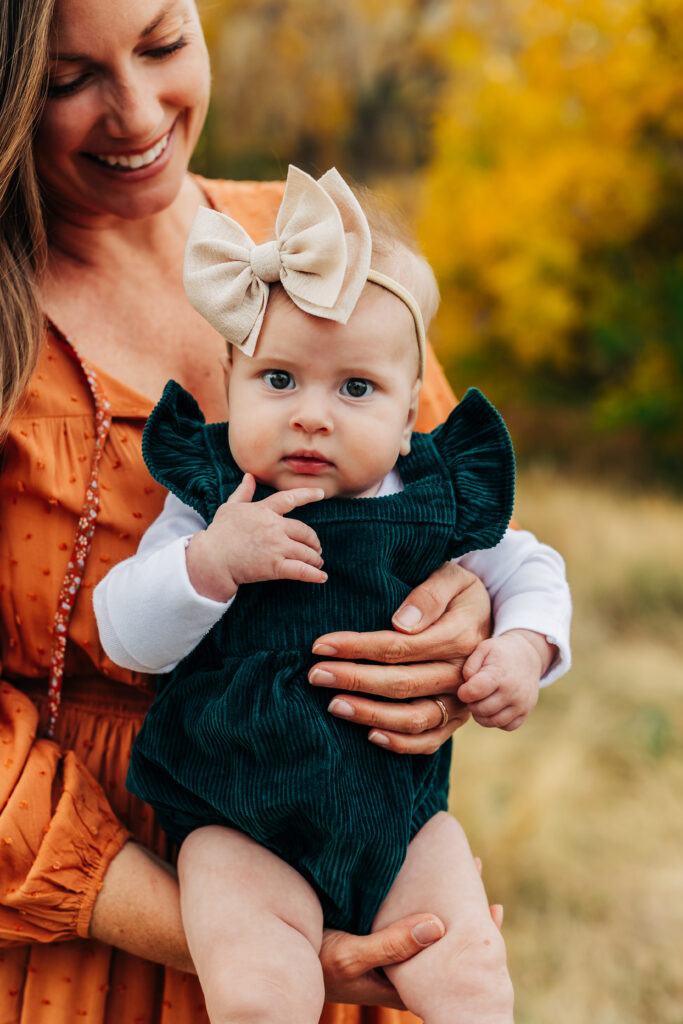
537 148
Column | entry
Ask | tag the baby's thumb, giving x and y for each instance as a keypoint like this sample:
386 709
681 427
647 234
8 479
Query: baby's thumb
244 491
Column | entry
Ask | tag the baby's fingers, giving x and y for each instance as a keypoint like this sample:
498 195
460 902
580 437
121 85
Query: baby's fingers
294 569
303 553
507 718
284 501
244 491
479 686
301 533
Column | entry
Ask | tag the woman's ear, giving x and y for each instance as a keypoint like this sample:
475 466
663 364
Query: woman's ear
410 420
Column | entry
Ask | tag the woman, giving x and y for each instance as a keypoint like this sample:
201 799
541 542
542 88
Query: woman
106 151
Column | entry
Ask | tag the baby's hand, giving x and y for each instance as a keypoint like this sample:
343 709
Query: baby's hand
502 676
247 543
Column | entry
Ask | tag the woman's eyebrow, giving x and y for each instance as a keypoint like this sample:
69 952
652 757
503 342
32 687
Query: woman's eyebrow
147 31
163 13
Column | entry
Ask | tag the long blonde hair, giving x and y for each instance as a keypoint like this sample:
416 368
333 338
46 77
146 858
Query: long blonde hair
24 31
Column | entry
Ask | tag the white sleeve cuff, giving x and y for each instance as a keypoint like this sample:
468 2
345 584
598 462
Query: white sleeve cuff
152 604
528 588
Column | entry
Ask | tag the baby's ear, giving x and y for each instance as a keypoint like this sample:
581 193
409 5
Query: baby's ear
410 419
226 363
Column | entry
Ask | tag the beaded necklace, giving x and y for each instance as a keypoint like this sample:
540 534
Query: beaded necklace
84 534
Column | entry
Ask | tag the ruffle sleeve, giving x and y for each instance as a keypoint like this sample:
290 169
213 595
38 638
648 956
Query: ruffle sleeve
189 457
58 833
476 449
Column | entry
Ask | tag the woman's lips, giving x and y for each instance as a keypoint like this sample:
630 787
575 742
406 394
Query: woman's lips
135 164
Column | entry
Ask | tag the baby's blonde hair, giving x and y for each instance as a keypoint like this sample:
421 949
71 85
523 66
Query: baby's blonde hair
396 253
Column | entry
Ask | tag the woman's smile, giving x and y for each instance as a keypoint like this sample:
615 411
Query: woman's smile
135 159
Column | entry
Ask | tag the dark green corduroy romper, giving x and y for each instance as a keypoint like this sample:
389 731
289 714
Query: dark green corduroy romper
237 735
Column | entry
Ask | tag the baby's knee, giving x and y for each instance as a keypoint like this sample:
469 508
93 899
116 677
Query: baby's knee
272 997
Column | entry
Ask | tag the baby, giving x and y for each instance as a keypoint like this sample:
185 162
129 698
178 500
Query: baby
288 818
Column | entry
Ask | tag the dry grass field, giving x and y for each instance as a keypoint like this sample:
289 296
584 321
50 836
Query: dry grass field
579 814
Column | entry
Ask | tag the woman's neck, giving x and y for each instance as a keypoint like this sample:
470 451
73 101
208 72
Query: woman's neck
91 242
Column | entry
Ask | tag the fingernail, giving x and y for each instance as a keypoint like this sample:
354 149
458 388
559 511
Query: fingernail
322 678
325 649
342 708
379 738
427 932
408 616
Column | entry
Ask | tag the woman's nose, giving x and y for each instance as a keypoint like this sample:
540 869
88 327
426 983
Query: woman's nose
312 415
134 109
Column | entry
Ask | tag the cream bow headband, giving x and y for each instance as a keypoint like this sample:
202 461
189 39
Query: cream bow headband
320 255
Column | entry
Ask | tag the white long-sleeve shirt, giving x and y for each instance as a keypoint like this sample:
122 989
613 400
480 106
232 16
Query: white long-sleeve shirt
150 616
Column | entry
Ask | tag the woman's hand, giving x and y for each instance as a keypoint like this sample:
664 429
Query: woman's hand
435 630
351 962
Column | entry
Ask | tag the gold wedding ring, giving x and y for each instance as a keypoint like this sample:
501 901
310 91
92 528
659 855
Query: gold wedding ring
444 712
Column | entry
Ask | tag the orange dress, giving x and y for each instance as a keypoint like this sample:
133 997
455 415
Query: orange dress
64 809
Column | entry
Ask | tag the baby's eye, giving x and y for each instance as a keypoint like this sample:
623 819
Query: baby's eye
280 380
356 387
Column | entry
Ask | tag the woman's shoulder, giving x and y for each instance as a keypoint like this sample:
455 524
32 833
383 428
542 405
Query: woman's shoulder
253 204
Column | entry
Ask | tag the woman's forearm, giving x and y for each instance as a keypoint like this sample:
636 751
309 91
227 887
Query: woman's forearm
138 909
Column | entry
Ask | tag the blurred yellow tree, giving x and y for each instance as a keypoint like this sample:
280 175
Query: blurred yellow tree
554 210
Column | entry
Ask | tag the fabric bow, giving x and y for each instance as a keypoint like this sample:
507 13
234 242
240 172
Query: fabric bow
320 254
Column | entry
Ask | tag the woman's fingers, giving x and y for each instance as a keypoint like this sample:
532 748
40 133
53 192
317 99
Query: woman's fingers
415 727
496 909
445 640
424 743
398 682
412 718
350 962
496 912
427 602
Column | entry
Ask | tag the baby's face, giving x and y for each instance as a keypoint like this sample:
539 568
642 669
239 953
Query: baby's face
325 404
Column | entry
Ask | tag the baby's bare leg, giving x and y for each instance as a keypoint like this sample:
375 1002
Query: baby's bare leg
463 977
254 928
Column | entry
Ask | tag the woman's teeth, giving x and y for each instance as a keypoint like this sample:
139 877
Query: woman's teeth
138 159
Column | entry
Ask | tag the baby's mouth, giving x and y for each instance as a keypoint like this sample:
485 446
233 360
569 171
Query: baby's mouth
307 462
133 161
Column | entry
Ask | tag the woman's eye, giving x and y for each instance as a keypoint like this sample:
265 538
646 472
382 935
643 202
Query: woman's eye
280 380
356 387
159 52
56 90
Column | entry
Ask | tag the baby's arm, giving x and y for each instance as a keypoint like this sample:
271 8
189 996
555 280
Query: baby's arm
149 614
530 646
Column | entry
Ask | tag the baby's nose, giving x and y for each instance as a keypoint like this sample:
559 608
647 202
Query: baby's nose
312 415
